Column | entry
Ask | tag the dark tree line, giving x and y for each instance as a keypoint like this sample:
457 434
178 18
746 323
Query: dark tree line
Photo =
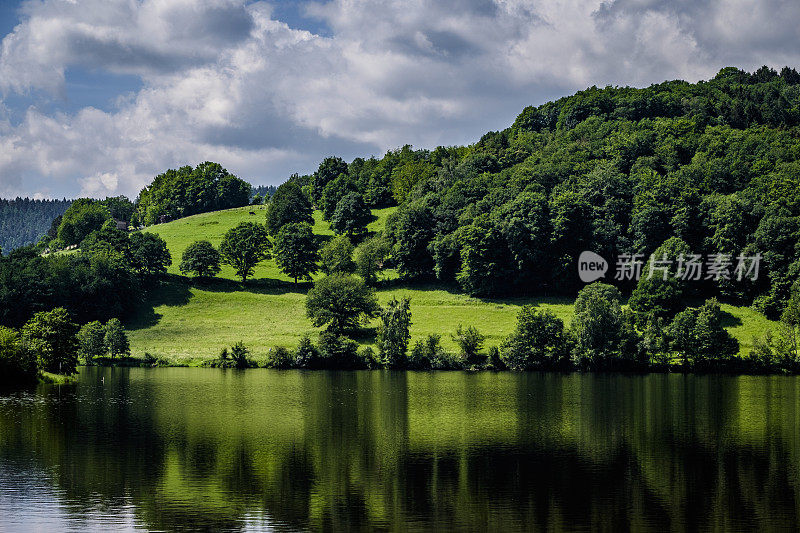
24 221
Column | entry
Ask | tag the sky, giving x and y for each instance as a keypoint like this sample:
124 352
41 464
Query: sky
99 96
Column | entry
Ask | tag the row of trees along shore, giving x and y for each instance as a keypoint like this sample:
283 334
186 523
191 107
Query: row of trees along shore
711 168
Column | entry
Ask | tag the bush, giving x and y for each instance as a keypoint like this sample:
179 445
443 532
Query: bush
306 355
429 355
493 359
538 341
280 357
419 357
470 341
337 351
369 357
393 332
239 354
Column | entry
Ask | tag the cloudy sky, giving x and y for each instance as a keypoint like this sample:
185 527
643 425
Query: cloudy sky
97 96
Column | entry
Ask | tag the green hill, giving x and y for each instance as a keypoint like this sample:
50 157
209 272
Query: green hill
187 321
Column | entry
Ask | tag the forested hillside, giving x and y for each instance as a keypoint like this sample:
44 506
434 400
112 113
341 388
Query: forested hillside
616 171
24 220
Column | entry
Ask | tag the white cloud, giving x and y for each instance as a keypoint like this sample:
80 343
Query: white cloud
222 80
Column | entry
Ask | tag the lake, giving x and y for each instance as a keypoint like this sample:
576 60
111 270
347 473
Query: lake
205 449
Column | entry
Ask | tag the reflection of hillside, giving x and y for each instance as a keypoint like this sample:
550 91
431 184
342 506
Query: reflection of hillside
207 449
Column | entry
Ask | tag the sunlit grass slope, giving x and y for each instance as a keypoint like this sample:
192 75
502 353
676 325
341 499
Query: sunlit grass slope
187 321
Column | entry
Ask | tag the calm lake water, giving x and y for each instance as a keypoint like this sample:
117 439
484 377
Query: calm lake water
203 449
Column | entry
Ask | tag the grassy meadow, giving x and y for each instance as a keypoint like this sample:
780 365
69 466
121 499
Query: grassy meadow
186 320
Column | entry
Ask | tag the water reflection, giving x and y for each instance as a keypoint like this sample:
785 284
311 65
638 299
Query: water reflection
177 448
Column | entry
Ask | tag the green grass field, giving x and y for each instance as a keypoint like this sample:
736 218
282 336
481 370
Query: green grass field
187 321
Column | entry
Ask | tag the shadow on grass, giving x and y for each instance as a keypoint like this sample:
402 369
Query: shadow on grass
172 291
270 286
454 290
366 335
728 320
176 291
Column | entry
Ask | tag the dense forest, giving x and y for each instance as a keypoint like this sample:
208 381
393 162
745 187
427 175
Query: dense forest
711 168
671 177
24 221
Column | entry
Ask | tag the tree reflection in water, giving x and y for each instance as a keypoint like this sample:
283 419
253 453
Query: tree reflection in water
210 449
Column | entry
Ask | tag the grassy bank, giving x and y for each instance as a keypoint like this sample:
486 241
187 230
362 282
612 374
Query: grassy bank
55 379
186 321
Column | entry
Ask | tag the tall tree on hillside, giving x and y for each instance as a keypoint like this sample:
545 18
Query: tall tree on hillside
341 301
369 258
244 246
296 251
116 340
351 216
200 258
329 169
337 255
149 254
289 204
91 341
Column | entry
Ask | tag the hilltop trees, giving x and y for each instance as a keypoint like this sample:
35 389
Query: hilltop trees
188 191
201 259
296 251
244 246
80 219
25 221
330 169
